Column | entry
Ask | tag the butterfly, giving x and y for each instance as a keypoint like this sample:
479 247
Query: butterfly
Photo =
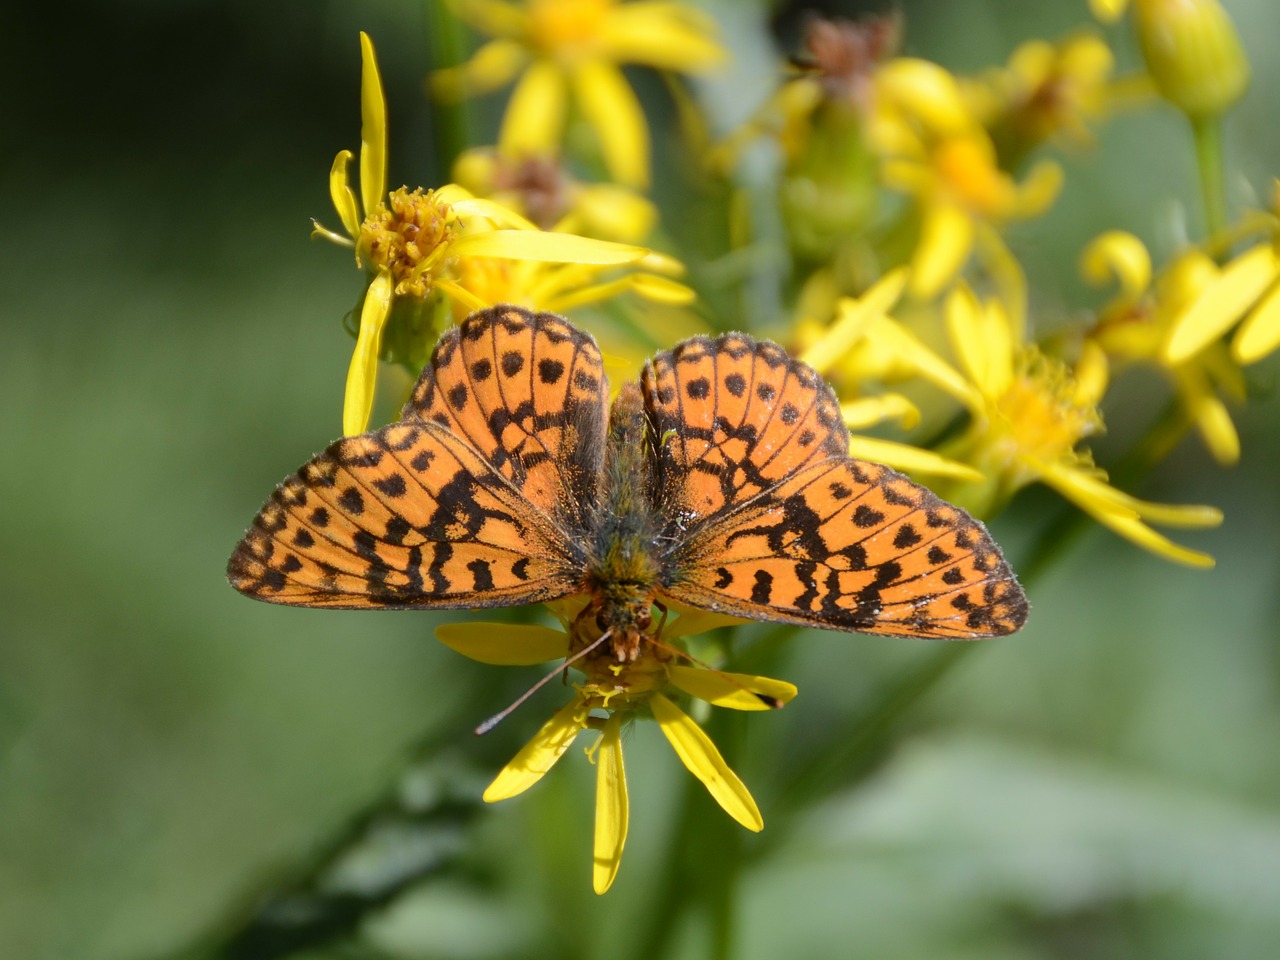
721 481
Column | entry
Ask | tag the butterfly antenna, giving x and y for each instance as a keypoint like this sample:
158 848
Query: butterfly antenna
773 703
501 715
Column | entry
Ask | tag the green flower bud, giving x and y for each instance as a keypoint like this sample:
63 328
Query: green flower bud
1193 53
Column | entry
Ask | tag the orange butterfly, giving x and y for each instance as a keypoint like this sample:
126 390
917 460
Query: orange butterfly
721 481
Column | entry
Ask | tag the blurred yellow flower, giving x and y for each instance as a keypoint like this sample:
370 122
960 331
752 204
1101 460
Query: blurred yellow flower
1046 91
540 189
818 117
845 342
1248 287
1028 413
571 50
415 243
610 695
935 151
1138 325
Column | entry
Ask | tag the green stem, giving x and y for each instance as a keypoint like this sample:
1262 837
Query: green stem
450 121
1207 133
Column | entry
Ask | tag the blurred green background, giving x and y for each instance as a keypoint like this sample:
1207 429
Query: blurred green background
1105 784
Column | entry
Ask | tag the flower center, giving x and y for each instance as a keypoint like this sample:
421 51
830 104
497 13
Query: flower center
567 29
406 235
971 175
1040 417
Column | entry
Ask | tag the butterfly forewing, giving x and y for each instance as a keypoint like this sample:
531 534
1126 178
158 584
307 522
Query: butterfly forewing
528 392
779 523
475 499
733 416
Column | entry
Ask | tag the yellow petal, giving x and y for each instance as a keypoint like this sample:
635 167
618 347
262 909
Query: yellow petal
663 35
612 212
490 67
373 128
1213 420
982 340
320 230
1117 511
615 114
1086 486
1259 335
1092 373
504 644
544 246
911 349
1118 256
703 760
534 119
736 691
1037 191
946 238
538 755
470 302
344 199
657 289
1006 273
853 316
1222 302
468 208
363 371
693 621
1138 532
1108 11
926 92
611 807
902 456
868 411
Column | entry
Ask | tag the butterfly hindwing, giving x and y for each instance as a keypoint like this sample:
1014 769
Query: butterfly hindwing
528 392
406 516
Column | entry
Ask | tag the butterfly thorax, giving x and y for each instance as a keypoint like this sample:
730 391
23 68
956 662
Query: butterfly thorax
624 568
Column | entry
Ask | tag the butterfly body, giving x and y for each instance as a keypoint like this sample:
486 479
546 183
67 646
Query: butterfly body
721 481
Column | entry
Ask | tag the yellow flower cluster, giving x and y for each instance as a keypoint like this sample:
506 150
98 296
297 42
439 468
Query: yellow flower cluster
898 184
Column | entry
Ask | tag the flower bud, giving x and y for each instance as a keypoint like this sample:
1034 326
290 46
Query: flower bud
1193 53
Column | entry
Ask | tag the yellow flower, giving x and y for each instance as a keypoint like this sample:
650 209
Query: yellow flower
845 343
1045 91
1247 286
1191 49
936 152
828 190
573 49
611 694
416 244
540 189
1028 413
1145 317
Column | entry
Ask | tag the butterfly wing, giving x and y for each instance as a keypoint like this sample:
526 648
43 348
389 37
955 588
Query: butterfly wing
528 392
476 498
778 523
734 416
406 516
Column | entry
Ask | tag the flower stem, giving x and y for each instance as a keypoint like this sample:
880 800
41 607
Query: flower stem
1207 133
450 121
